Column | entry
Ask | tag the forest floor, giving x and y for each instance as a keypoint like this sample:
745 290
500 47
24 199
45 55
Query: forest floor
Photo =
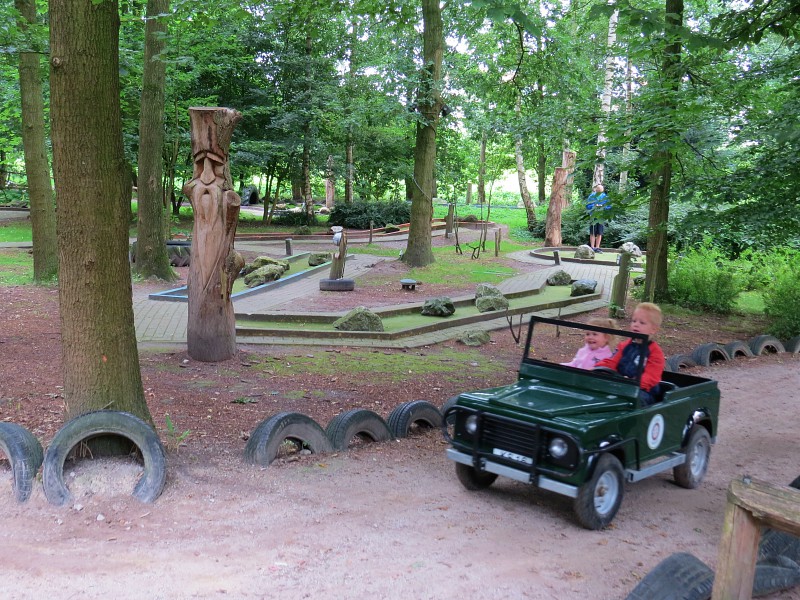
381 520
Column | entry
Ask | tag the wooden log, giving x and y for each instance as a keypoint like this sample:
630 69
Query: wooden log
553 223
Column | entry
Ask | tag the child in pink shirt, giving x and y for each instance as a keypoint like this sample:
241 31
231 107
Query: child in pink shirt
596 348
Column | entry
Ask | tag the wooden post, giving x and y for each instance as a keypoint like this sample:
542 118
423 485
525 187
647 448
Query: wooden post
497 234
339 257
751 505
371 227
288 246
448 222
557 257
211 327
552 236
619 289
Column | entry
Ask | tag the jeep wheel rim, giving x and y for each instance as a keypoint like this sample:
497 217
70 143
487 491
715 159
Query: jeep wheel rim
699 458
605 493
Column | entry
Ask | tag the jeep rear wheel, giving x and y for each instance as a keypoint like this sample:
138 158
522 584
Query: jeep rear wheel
599 498
698 450
473 479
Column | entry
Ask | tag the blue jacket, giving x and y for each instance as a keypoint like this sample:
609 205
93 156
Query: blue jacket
597 202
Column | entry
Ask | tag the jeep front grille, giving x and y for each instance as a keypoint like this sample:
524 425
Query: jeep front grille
514 436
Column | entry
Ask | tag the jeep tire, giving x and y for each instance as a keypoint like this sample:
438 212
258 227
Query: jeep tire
600 497
698 450
473 479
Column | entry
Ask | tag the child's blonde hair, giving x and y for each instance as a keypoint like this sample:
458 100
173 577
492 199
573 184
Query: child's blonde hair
607 323
653 311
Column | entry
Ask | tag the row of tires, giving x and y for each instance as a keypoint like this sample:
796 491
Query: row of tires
706 354
685 576
26 456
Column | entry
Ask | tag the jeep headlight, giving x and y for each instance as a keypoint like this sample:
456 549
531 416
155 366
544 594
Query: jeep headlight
558 447
471 424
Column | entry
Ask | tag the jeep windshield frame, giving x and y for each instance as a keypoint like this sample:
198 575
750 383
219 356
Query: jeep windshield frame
528 357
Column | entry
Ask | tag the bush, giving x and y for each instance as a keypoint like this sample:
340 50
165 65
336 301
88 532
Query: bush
782 303
293 219
358 214
759 269
703 279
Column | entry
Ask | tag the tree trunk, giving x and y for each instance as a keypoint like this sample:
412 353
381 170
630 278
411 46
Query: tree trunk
469 193
152 258
521 179
37 169
626 148
4 167
552 235
308 200
429 101
330 184
482 170
541 173
600 163
211 331
568 162
656 285
100 358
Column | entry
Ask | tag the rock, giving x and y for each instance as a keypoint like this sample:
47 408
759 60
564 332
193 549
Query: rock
390 228
441 306
359 319
491 303
560 278
487 289
318 258
263 275
324 210
583 287
475 337
468 219
263 261
584 251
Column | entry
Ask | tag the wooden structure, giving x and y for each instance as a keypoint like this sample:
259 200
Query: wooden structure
211 329
751 505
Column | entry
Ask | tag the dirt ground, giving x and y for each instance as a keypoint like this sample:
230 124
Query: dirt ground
386 520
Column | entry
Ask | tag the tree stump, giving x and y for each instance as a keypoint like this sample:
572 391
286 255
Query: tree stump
211 328
339 257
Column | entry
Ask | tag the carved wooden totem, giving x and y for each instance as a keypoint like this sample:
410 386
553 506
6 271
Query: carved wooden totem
211 331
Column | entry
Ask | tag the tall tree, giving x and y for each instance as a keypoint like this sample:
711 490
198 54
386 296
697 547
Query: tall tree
101 361
429 104
671 75
37 168
600 163
152 258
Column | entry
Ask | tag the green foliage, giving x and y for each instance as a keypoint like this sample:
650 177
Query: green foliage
704 279
294 219
175 438
759 269
358 214
782 303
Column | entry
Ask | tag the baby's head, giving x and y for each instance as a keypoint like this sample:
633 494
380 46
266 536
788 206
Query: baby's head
646 319
596 339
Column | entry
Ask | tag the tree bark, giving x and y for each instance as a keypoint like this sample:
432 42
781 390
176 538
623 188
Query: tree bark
656 284
330 184
482 170
100 358
211 331
37 168
626 148
521 179
152 258
429 102
552 236
541 173
600 163
568 162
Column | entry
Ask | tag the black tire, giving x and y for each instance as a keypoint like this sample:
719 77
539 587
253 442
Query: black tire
698 451
774 544
98 423
705 354
793 345
681 576
24 454
775 575
268 436
600 497
448 404
738 349
474 480
337 285
680 361
766 344
357 422
416 412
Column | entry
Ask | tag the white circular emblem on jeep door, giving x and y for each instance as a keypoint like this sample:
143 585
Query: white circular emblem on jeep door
655 432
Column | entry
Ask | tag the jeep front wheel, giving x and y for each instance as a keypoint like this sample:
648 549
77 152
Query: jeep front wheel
698 449
599 498
473 479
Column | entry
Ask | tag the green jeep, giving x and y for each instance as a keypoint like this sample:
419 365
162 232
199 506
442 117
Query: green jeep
581 433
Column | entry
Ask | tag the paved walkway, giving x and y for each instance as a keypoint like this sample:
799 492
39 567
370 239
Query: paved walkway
164 323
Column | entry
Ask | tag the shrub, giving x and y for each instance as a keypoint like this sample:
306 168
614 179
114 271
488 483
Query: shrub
782 303
358 214
293 219
703 279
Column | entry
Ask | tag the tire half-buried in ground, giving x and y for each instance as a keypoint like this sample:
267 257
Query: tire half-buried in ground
738 349
105 423
416 412
681 575
270 435
337 285
766 343
358 422
24 454
705 354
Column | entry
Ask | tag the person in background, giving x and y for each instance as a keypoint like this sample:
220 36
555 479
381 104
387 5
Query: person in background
596 204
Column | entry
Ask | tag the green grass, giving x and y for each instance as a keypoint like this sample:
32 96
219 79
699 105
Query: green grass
750 303
16 267
16 231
